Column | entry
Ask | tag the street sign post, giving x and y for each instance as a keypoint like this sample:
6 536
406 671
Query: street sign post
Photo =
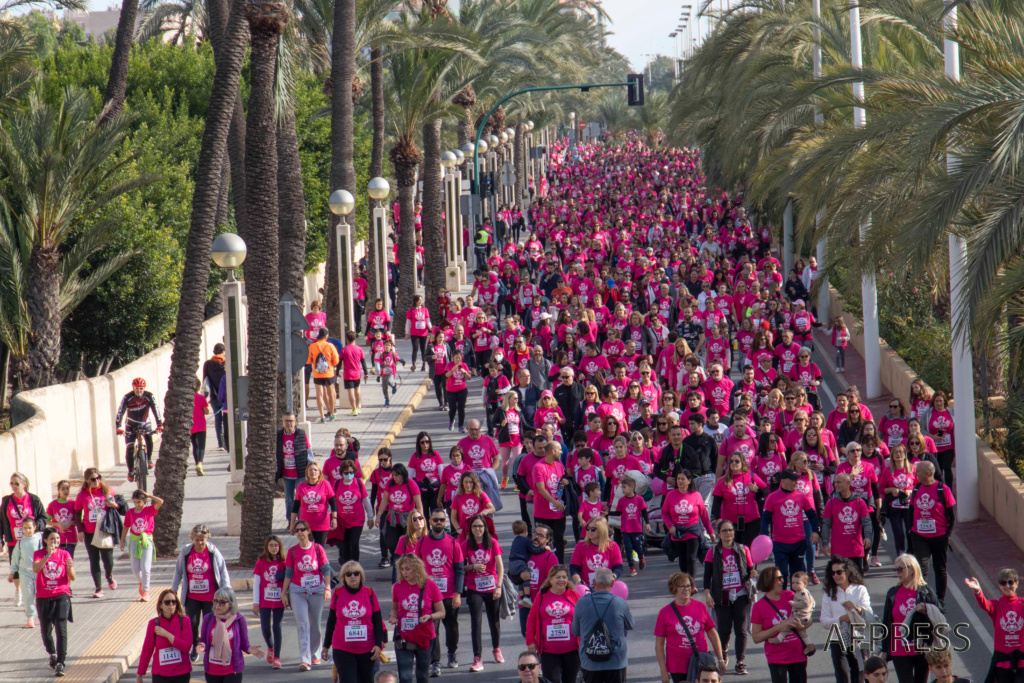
508 175
293 350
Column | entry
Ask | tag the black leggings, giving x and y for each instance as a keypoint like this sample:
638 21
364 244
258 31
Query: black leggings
845 664
451 632
900 520
95 555
348 548
227 678
876 532
945 459
420 344
457 404
359 666
558 535
477 603
687 551
733 619
508 306
319 536
563 668
198 446
69 548
439 390
789 673
910 668
391 535
270 624
482 359
194 609
53 616
181 678
934 549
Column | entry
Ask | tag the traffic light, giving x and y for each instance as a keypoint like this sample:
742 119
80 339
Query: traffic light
635 90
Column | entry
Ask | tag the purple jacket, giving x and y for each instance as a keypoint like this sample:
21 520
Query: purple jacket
239 645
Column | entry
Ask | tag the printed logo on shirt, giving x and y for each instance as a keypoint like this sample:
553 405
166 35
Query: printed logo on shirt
311 497
729 564
595 562
470 507
691 626
398 497
478 556
270 574
139 526
908 606
789 509
348 498
683 508
924 501
306 563
1011 622
847 515
355 610
53 570
411 603
557 609
437 558
197 565
62 515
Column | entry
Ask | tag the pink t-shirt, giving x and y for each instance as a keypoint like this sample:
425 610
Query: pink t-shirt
460 375
902 480
440 558
903 604
467 505
409 606
316 321
684 509
790 650
547 476
696 620
555 612
862 481
201 582
20 508
426 466
305 564
930 510
591 510
351 361
479 452
53 579
737 498
590 559
632 513
731 579
787 510
140 522
451 475
487 580
92 504
314 507
846 539
199 404
271 574
65 514
419 321
349 498
400 496
354 630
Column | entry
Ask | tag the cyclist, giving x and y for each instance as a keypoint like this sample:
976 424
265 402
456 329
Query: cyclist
135 407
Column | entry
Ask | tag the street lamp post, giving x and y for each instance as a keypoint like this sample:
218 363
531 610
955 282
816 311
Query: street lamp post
963 369
460 246
868 293
572 135
379 189
451 213
228 252
492 166
341 204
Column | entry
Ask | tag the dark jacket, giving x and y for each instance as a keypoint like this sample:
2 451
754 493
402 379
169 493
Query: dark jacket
919 623
302 453
528 400
701 448
713 571
568 398
38 511
213 371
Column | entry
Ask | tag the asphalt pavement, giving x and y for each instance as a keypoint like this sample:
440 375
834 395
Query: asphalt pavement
647 595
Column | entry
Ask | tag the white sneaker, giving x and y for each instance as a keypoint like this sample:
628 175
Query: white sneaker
19 602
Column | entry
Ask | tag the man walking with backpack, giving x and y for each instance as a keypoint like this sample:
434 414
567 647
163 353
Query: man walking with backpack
323 357
601 621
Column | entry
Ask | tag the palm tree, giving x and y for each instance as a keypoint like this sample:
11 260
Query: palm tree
266 24
59 167
172 464
117 81
187 18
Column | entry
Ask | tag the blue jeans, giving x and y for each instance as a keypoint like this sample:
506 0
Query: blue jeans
809 553
218 421
413 665
289 497
630 542
524 614
789 558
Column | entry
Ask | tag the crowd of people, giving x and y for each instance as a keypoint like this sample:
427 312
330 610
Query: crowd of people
647 386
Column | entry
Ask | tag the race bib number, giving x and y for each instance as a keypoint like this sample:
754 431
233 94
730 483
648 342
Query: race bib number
18 533
486 584
94 515
894 441
409 623
513 428
926 526
731 579
442 583
199 586
310 581
558 632
421 325
289 461
169 655
356 632
534 576
943 440
272 593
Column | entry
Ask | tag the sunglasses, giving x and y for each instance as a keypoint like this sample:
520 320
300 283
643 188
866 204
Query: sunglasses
170 603
591 528
438 520
348 574
1008 583
301 530
96 478
418 519
900 570
425 441
524 667
837 572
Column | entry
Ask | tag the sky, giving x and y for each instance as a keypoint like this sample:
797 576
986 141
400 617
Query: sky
641 27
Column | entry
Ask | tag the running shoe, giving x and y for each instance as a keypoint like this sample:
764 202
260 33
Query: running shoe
632 571
145 596
462 430
98 593
453 661
316 660
387 402
59 670
435 670
270 655
741 668
304 667
31 623
131 476
504 482
477 666
643 563
53 661
352 412
276 664
451 426
112 583
814 578
497 656
199 470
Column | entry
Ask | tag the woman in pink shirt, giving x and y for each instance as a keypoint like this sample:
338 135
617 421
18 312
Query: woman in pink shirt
484 575
268 596
377 320
167 642
200 407
457 376
548 627
683 628
940 426
773 616
417 327
735 497
683 512
315 504
91 506
55 570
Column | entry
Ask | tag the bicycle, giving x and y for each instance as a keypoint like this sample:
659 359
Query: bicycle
141 460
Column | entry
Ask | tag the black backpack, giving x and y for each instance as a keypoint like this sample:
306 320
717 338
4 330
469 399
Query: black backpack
597 646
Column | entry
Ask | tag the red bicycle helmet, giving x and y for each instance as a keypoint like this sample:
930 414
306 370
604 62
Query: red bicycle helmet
138 383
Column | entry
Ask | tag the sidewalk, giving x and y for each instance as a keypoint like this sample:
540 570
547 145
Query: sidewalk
106 635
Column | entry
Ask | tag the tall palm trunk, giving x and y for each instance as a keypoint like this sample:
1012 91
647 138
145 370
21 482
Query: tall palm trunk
266 23
43 300
405 158
434 258
519 145
236 152
377 150
172 464
343 170
291 232
117 81
223 202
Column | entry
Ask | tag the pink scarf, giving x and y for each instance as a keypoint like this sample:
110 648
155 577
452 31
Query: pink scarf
221 646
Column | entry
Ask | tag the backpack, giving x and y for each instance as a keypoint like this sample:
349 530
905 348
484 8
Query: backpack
320 365
597 646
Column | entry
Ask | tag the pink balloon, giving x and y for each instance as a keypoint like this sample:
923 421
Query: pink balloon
658 486
582 589
761 549
621 589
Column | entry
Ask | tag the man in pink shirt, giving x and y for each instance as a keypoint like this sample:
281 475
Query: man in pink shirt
352 358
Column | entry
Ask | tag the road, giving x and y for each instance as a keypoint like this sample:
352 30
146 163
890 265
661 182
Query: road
647 595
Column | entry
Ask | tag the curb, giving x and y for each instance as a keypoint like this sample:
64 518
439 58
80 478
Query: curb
396 428
973 568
